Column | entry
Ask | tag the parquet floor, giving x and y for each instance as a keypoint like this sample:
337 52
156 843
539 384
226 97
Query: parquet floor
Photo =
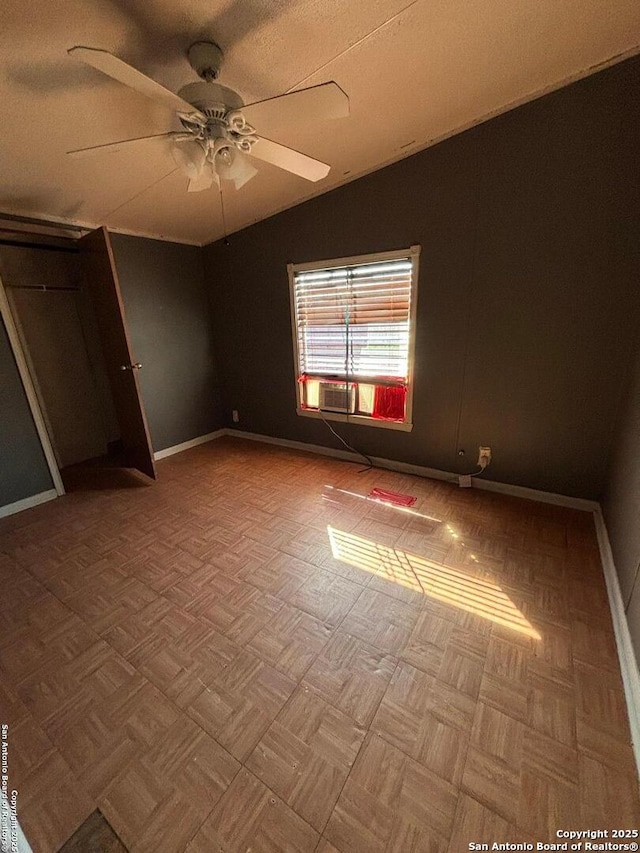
249 655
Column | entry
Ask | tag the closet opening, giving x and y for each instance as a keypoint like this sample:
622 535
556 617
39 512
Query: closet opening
67 310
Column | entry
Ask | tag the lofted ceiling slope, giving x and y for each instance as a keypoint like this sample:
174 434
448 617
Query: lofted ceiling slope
415 72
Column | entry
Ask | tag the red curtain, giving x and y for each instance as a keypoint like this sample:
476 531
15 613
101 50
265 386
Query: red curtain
389 402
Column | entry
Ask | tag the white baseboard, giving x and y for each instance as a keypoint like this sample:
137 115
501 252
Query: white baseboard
626 654
536 495
422 471
294 445
27 503
194 442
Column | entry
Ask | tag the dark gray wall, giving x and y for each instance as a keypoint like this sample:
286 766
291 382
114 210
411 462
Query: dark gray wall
23 468
621 502
168 315
527 294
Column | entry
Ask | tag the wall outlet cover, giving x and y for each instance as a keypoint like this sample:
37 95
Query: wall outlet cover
484 456
235 416
464 481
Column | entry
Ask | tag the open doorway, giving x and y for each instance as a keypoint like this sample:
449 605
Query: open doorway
67 311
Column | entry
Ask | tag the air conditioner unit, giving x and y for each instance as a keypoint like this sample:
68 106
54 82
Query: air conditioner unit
337 397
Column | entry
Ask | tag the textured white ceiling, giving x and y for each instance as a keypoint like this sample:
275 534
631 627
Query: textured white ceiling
415 72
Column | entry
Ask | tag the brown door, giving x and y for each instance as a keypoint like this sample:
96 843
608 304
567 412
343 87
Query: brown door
102 284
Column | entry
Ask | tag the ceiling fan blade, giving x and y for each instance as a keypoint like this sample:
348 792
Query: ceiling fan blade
289 159
130 76
111 147
317 103
202 182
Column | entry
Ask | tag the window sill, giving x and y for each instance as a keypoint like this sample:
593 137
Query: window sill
361 420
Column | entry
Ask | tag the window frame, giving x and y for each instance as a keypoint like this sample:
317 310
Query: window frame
412 252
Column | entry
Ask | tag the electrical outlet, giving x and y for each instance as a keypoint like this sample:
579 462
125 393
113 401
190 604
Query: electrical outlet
235 417
484 456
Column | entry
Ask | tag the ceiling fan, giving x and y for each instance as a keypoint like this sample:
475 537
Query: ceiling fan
218 129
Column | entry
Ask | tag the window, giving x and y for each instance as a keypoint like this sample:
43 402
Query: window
353 332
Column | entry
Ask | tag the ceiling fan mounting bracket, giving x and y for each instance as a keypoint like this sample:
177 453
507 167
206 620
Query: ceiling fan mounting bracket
205 57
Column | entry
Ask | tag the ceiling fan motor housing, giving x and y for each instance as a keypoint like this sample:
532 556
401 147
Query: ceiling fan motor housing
212 99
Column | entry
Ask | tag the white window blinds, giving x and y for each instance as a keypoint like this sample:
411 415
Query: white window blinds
354 320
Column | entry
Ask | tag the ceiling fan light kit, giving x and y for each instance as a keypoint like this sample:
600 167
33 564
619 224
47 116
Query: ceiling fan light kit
189 156
234 167
218 135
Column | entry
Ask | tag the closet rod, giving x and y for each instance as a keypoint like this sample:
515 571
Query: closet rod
22 241
42 288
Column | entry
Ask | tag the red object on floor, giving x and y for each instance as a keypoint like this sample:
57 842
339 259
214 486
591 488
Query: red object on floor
391 497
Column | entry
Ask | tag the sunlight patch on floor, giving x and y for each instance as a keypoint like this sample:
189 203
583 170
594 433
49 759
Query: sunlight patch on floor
443 583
